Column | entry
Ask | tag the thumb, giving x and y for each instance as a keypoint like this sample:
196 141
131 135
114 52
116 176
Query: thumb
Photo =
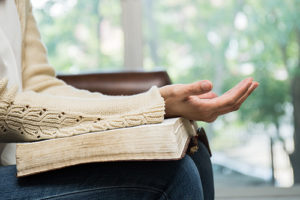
196 88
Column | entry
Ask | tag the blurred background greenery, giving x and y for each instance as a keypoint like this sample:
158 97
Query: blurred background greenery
223 41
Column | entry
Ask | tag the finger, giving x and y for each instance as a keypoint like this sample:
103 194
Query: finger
229 102
209 95
239 85
197 88
235 107
248 93
230 98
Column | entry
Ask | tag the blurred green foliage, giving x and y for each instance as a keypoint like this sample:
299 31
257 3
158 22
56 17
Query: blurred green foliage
226 41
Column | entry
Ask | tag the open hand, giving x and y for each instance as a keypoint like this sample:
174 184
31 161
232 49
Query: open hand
195 101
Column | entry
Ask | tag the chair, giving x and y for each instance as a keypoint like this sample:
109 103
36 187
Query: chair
118 83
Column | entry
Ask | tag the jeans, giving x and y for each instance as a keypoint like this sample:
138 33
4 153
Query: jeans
187 179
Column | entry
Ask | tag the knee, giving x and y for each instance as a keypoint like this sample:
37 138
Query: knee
187 180
188 171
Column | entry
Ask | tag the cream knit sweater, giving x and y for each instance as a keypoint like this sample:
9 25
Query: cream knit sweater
48 108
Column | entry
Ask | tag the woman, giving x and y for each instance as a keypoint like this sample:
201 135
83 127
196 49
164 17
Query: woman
34 105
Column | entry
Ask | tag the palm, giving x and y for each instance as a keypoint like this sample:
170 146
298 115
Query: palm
194 102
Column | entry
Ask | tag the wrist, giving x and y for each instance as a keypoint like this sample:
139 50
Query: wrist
169 112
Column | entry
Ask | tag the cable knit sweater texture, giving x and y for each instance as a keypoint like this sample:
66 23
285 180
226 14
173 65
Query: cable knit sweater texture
48 108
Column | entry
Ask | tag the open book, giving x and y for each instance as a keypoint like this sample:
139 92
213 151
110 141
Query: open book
165 141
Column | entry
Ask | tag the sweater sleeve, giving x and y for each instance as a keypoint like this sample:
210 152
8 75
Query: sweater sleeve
37 74
48 108
30 116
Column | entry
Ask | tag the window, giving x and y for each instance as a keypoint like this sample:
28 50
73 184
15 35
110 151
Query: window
81 35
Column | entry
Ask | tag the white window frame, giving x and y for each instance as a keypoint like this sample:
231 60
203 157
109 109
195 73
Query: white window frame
133 34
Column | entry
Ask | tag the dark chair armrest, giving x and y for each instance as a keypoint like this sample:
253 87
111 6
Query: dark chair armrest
117 83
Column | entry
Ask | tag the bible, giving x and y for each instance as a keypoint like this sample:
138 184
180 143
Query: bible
168 140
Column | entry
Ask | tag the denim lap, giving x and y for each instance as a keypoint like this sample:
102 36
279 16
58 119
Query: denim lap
174 180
